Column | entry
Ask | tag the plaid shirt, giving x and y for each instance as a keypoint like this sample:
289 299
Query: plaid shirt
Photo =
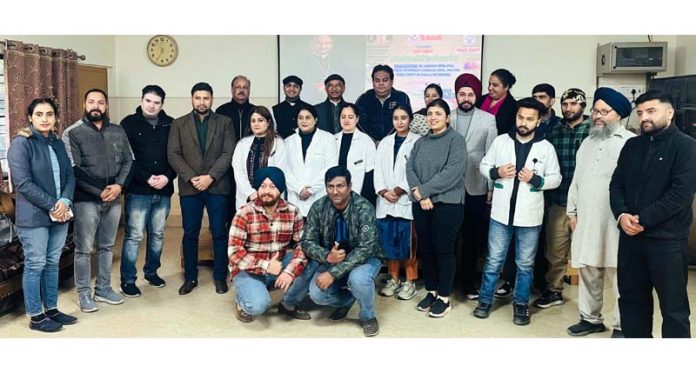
255 237
567 141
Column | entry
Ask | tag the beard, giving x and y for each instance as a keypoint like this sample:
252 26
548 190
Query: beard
463 106
202 112
573 117
523 131
656 127
94 115
605 131
268 200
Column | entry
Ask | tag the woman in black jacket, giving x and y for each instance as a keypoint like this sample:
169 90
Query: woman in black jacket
44 182
499 100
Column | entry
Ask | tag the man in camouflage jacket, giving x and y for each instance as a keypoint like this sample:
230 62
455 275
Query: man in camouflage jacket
341 236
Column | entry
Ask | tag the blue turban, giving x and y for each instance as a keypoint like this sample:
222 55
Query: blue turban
274 173
613 98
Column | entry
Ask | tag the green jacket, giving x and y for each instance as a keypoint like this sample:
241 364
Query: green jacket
318 237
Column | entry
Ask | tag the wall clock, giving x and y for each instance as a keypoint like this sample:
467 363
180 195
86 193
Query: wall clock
162 50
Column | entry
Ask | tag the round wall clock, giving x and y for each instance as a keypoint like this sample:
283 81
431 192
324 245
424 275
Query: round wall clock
162 50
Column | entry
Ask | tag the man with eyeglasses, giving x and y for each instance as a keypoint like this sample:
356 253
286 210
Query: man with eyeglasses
566 139
595 246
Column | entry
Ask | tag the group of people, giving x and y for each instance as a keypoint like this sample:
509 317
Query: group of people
313 199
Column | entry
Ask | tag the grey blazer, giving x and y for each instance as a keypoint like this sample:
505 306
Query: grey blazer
479 136
184 153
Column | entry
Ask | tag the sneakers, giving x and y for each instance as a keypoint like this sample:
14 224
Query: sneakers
482 310
45 325
426 303
84 300
339 314
60 317
370 327
408 290
549 299
243 316
155 280
439 308
295 313
108 296
504 291
130 290
520 315
585 327
391 288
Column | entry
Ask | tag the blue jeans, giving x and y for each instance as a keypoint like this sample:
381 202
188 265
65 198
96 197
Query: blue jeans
358 285
192 216
95 221
252 290
42 248
499 236
144 212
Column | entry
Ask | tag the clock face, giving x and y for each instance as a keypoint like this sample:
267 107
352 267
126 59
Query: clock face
162 50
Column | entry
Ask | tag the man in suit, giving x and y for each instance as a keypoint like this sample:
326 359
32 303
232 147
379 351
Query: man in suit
329 111
479 130
285 113
200 151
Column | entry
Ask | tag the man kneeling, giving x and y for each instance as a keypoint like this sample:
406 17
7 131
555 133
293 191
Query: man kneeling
264 251
341 236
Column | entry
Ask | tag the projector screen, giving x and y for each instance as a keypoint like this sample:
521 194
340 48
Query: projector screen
417 60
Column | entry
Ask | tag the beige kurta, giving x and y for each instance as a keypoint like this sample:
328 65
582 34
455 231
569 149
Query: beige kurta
595 241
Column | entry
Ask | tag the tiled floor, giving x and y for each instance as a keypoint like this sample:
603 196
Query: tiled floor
203 313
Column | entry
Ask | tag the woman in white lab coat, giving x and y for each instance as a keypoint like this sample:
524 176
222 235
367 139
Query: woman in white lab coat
356 152
394 213
311 152
262 148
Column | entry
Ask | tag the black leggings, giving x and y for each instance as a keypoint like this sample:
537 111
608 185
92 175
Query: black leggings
436 231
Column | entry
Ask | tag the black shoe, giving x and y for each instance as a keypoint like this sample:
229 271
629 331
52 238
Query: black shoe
427 302
61 318
520 314
585 327
617 333
243 316
295 313
439 308
187 287
221 286
482 310
504 291
471 294
155 281
370 327
130 290
45 325
549 299
339 314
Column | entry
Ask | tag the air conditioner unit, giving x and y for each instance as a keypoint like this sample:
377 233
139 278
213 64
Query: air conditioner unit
630 58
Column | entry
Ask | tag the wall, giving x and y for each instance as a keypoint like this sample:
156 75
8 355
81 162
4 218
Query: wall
685 55
213 59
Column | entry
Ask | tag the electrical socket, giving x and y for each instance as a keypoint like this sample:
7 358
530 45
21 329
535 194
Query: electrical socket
631 92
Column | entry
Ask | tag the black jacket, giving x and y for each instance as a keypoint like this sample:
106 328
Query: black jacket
327 121
149 146
240 115
655 178
505 119
285 116
100 157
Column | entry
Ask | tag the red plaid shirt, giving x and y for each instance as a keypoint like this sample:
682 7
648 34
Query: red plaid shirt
255 237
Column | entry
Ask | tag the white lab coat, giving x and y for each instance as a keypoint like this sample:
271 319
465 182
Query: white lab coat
309 172
390 174
277 158
361 157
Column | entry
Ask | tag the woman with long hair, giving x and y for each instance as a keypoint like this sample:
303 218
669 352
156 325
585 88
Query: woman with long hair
262 148
44 181
356 152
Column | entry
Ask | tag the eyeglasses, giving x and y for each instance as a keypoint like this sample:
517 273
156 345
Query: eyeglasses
602 113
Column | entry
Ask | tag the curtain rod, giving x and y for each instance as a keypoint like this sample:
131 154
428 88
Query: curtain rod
2 43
